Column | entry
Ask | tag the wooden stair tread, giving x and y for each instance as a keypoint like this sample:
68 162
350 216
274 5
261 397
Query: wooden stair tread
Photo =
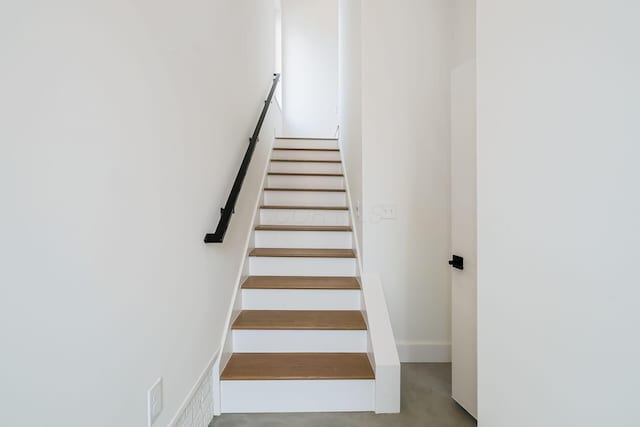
306 149
326 190
302 138
303 228
302 253
298 366
315 208
303 174
305 161
301 282
349 320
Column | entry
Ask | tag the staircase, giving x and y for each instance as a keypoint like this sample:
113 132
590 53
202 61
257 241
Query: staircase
298 339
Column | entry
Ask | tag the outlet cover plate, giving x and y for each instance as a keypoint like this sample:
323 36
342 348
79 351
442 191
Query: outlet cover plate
154 402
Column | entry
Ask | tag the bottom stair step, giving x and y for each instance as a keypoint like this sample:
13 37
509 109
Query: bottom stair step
297 382
298 366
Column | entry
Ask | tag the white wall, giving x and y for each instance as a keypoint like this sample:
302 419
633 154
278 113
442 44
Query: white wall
350 101
310 67
463 31
405 162
123 125
558 213
278 47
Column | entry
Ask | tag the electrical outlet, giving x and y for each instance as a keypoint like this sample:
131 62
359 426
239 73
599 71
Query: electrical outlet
154 402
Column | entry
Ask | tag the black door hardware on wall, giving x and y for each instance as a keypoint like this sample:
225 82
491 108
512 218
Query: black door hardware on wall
457 262
229 207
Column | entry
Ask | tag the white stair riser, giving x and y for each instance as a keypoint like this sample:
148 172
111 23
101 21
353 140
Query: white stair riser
304 239
303 217
305 167
311 341
305 198
306 143
301 299
306 155
302 181
284 266
297 396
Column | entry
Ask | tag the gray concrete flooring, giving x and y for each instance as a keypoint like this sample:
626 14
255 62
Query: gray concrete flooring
426 401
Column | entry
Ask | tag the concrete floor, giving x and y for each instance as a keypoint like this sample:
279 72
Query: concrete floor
426 401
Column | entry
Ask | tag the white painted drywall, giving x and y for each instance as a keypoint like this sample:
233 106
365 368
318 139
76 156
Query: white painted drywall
463 31
350 101
558 213
395 63
277 5
122 127
405 162
310 67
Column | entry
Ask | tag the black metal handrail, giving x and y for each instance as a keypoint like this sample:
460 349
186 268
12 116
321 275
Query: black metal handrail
229 207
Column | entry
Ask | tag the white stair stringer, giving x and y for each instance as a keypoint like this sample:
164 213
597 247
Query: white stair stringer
280 210
382 349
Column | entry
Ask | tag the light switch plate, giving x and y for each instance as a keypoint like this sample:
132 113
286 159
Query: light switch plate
389 211
154 402
384 212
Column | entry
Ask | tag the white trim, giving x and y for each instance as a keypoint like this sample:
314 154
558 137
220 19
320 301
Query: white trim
150 418
424 352
275 98
208 371
383 346
356 245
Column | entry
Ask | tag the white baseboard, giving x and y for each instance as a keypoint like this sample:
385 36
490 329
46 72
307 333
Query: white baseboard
197 408
424 352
